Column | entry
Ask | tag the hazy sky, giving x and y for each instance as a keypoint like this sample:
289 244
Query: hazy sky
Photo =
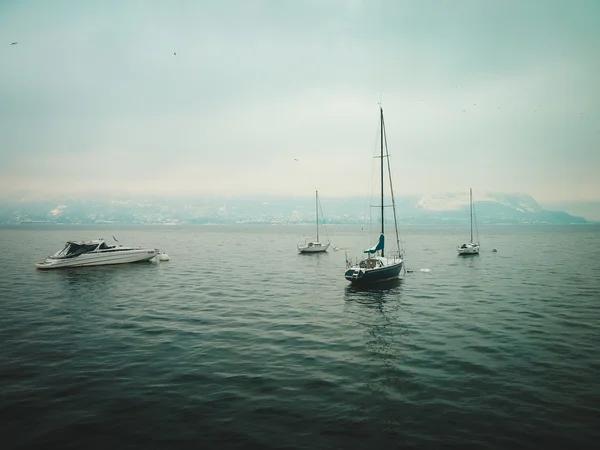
494 95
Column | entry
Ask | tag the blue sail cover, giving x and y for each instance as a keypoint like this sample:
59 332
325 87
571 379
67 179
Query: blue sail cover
379 245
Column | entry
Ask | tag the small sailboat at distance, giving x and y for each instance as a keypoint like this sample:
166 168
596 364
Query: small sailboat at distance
471 247
314 246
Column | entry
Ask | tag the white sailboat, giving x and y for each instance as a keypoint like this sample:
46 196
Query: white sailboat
471 247
314 246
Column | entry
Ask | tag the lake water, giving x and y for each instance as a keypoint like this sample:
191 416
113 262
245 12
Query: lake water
240 342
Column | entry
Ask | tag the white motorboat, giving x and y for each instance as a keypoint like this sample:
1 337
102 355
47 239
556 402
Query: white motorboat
96 253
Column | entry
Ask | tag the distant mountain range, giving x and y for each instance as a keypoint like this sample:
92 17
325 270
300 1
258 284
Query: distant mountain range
447 208
589 210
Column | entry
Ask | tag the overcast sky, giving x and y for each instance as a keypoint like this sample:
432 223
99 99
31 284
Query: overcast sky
494 95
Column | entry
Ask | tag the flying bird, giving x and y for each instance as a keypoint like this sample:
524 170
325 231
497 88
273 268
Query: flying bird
13 43
295 159
175 53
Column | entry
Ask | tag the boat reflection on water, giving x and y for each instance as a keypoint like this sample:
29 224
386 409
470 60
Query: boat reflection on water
380 313
381 321
379 291
113 281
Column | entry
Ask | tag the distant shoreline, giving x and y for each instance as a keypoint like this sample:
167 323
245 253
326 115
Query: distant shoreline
42 224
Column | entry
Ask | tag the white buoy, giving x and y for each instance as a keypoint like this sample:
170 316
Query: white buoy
163 257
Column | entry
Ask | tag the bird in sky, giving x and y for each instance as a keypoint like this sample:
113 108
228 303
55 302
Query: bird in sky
175 53
13 43
295 159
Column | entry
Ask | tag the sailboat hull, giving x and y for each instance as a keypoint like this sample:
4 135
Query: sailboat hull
314 248
362 276
468 249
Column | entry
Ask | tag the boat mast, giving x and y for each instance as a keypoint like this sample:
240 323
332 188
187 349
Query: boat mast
317 208
381 156
471 206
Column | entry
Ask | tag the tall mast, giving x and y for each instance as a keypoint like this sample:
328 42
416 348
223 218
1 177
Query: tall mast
381 138
471 205
317 208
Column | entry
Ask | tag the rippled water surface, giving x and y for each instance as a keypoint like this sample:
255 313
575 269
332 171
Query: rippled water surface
240 342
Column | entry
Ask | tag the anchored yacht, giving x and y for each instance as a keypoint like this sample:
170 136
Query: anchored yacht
95 253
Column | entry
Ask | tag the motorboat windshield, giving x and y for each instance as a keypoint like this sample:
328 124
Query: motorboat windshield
74 248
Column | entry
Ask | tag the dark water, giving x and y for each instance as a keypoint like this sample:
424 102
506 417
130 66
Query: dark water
239 342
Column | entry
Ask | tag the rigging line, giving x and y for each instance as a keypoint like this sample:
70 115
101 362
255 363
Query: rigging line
475 219
368 238
398 240
323 220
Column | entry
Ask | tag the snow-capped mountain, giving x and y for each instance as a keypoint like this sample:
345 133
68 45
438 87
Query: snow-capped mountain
456 201
489 207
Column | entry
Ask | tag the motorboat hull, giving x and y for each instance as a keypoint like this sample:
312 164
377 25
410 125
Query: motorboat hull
357 275
100 259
